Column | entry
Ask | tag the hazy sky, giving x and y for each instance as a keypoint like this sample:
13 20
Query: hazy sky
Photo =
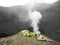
22 2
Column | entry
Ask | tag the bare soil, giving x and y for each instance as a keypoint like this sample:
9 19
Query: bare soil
17 39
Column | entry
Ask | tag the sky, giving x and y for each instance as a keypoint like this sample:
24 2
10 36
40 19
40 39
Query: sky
8 3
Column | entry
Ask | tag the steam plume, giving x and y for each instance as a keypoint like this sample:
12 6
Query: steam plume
35 17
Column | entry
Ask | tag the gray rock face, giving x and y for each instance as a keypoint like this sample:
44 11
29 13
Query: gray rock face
50 22
13 19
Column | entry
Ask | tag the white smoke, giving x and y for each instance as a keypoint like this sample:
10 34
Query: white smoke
35 17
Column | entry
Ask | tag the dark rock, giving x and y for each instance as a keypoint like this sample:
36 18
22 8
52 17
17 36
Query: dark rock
13 19
50 22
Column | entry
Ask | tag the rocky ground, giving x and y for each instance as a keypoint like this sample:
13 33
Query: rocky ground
17 39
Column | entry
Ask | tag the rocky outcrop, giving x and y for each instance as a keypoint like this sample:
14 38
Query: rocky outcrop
21 40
